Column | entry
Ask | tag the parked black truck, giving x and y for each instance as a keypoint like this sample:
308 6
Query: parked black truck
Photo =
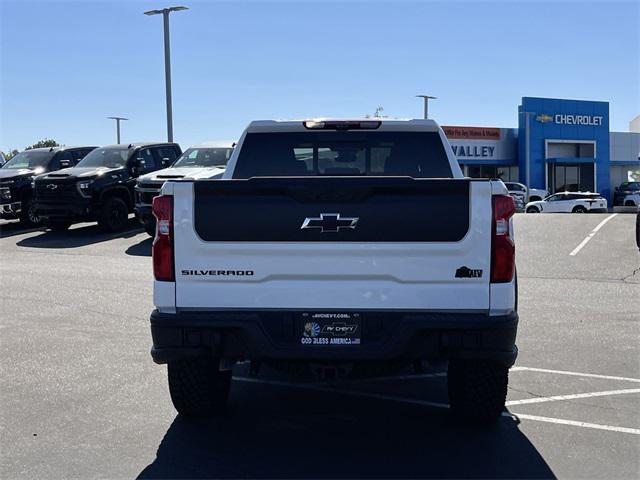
101 187
16 176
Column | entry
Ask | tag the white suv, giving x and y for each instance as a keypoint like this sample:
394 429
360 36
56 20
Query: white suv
568 202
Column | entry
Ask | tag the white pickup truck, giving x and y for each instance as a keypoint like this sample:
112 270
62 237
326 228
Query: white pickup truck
207 160
336 244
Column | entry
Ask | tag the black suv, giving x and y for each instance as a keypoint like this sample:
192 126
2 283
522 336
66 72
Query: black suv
101 186
16 199
625 188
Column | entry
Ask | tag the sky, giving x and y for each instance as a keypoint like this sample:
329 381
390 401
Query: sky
67 65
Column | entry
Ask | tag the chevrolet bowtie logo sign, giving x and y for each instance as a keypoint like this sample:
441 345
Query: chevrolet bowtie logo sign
544 118
329 222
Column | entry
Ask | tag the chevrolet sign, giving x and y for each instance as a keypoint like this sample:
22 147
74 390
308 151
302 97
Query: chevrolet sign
591 120
562 119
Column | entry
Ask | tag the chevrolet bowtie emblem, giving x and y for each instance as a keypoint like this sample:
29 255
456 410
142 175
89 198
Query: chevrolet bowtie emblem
544 118
330 222
52 186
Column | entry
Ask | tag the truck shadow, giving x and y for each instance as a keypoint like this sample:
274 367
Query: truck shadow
140 249
286 433
78 236
10 229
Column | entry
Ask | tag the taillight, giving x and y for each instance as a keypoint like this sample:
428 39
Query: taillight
163 242
503 250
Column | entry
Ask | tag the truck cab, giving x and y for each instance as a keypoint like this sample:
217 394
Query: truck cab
16 176
207 160
100 187
330 245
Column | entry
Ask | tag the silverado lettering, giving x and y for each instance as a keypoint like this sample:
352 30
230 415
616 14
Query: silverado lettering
218 273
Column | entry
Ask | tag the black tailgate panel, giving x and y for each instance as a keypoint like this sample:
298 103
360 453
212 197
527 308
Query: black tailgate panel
388 209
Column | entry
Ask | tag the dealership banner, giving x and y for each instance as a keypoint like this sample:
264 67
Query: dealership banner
468 133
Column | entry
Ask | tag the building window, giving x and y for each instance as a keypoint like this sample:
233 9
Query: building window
571 178
506 173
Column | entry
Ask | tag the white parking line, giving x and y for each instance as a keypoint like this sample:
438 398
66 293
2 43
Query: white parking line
591 235
573 423
574 396
412 401
576 374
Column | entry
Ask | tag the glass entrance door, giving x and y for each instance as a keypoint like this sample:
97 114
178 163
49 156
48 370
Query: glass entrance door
571 178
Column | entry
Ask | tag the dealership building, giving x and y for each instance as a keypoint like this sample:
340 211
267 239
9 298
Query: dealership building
559 145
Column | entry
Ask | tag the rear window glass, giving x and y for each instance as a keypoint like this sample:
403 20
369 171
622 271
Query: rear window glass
414 154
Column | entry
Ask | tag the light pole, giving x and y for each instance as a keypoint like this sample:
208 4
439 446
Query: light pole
167 62
527 146
426 104
117 119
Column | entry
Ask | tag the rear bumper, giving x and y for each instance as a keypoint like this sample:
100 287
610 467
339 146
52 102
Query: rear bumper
276 335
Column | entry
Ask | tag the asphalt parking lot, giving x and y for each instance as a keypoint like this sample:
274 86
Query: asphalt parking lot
81 398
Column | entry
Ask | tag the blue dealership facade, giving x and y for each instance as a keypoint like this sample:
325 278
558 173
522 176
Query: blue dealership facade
559 145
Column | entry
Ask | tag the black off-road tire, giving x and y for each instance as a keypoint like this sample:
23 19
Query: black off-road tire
532 210
579 209
477 389
58 225
197 387
114 215
28 215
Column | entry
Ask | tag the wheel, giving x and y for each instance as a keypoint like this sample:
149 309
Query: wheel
579 209
114 215
150 228
532 210
58 225
197 387
629 203
28 216
477 389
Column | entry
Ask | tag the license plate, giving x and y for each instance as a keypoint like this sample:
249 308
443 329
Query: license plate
330 329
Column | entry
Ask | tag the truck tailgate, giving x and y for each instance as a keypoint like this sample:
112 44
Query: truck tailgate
333 243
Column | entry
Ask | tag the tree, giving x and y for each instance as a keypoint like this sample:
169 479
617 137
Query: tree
9 155
47 142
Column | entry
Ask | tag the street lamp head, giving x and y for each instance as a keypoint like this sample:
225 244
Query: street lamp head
170 9
426 96
117 118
